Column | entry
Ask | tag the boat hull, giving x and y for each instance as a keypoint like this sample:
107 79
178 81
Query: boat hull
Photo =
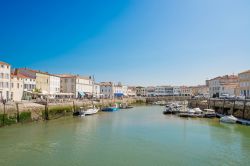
110 109
91 111
228 119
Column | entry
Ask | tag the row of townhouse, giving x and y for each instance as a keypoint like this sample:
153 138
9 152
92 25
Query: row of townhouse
23 83
152 91
111 90
244 83
233 85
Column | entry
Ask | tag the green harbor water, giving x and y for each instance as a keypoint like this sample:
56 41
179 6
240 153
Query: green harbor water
141 136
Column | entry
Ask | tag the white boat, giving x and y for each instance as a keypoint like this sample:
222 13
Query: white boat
209 113
80 113
91 111
197 111
228 119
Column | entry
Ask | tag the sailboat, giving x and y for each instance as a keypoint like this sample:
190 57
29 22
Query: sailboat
93 110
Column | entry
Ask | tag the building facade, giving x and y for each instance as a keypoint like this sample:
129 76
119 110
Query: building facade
54 86
220 85
97 91
150 90
131 91
17 87
79 86
141 91
186 91
200 90
244 83
164 91
107 90
5 72
42 82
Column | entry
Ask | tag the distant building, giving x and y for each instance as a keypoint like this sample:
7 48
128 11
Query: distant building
141 91
186 91
131 91
223 85
120 90
244 83
79 86
176 91
200 90
5 71
150 91
42 82
164 91
97 90
107 90
17 87
29 81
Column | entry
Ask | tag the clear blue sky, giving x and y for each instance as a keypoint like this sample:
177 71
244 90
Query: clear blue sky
147 42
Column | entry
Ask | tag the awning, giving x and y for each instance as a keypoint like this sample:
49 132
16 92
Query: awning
81 94
118 94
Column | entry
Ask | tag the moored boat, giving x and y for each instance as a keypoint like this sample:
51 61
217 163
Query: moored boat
80 112
91 111
110 109
228 119
209 113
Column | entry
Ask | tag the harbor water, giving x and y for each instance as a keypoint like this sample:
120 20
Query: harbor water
141 136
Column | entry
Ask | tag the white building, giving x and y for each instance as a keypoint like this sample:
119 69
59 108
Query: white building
79 86
150 90
125 90
186 91
131 91
17 87
54 86
97 90
84 86
220 85
29 84
176 91
107 89
164 91
5 70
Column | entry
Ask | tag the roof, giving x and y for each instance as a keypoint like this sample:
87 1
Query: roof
4 63
73 76
244 72
225 77
18 76
106 83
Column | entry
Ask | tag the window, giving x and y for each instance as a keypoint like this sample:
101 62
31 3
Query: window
17 85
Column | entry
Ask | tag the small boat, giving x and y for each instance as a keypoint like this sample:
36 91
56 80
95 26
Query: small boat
125 106
209 113
168 110
197 111
91 111
80 112
110 109
228 119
